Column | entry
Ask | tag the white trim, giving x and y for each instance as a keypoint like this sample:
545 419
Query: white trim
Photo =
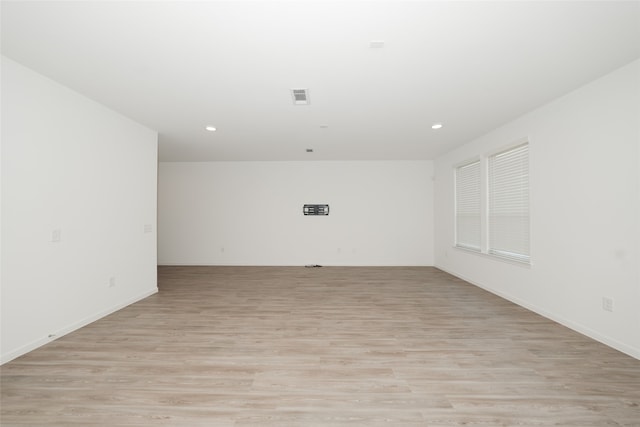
513 144
513 261
483 160
457 192
578 327
466 162
7 357
512 171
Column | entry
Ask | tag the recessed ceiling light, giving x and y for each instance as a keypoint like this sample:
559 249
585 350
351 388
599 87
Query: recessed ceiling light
436 126
211 128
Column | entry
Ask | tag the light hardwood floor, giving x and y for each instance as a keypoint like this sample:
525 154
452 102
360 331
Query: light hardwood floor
330 346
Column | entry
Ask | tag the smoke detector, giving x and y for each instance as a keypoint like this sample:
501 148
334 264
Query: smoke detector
300 96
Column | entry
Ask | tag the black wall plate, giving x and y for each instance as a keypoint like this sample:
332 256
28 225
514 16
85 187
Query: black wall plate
315 209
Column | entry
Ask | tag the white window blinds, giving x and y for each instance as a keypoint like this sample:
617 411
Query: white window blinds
509 204
468 206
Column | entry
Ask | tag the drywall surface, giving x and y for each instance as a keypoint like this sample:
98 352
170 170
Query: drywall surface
250 213
585 211
78 188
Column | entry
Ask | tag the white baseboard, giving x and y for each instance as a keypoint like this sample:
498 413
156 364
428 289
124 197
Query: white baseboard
584 330
7 357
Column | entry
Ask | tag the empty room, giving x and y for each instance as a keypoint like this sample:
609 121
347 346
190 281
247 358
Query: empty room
320 213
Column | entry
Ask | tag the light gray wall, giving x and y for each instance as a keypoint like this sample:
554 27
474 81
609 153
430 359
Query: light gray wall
72 165
250 213
585 211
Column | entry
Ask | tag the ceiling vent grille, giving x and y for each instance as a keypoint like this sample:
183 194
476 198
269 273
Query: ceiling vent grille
300 96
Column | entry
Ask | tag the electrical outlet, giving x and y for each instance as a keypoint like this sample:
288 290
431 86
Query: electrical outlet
112 282
56 235
607 304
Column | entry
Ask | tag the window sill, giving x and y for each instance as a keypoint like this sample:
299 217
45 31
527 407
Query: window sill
525 264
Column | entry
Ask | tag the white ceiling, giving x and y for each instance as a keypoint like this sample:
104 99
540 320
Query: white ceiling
179 66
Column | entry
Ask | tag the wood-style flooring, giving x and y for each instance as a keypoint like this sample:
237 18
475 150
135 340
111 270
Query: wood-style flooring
330 346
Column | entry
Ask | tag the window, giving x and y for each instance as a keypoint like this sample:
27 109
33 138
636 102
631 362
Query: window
508 204
492 204
468 219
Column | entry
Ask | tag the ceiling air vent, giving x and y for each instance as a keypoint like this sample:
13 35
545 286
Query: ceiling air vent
300 96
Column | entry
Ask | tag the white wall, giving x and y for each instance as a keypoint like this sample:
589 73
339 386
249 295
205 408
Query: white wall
585 211
250 213
71 164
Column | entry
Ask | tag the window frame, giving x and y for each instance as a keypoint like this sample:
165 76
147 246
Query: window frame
501 253
485 250
457 168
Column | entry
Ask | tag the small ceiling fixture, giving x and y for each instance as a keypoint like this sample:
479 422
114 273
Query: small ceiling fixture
300 96
309 150
376 44
324 126
436 126
211 128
